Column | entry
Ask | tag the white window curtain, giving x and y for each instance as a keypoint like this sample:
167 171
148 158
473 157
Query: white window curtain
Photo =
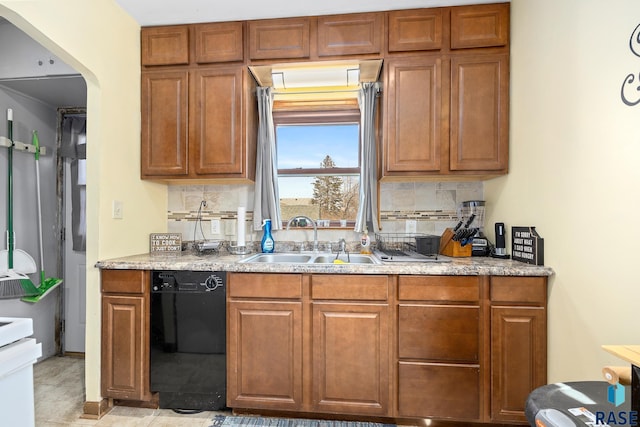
266 202
368 209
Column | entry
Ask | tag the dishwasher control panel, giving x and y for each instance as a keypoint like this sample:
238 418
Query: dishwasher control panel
187 281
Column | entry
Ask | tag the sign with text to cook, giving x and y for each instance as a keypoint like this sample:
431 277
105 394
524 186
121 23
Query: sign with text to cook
527 245
165 243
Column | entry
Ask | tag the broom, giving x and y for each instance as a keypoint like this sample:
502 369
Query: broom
48 284
12 283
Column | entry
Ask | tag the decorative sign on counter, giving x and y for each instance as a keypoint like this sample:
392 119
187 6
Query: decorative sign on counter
527 245
165 243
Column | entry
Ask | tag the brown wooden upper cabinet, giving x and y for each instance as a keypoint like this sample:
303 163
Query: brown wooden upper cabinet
167 45
164 133
416 29
198 115
479 26
279 38
219 42
413 116
353 34
479 138
445 97
219 113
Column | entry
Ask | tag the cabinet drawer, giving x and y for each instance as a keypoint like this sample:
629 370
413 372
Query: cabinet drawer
219 42
279 38
165 45
125 281
438 332
434 390
349 287
479 26
252 285
350 34
519 290
439 288
419 29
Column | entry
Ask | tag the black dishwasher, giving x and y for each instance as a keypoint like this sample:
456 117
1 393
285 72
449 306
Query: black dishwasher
188 339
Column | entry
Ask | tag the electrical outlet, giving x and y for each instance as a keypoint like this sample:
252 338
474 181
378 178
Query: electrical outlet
215 226
117 212
411 226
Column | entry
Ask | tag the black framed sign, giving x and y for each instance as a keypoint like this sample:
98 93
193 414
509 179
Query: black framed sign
527 245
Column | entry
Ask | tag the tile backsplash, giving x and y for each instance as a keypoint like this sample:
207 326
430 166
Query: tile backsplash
432 205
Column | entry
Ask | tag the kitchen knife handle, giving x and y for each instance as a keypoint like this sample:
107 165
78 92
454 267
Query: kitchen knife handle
470 220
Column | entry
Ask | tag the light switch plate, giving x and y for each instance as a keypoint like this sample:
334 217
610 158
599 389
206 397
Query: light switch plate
215 226
411 226
117 212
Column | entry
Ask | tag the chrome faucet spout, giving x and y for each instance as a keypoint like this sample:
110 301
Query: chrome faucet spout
315 229
342 247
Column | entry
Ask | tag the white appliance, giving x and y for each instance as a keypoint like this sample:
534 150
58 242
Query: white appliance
17 356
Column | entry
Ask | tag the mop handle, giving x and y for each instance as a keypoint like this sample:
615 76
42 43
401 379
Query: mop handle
36 143
10 237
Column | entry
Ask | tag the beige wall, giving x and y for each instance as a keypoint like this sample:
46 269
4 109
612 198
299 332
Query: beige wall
102 42
574 174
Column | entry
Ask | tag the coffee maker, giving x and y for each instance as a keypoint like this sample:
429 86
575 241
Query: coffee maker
480 245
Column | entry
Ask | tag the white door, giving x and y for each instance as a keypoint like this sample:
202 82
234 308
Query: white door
75 266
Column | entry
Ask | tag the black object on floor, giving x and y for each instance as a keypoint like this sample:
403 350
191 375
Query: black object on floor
569 404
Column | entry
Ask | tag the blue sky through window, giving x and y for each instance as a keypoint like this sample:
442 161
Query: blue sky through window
305 146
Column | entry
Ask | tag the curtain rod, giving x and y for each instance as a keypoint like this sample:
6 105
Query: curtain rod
308 92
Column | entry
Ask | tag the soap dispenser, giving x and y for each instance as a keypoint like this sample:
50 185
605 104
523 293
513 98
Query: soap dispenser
365 243
268 244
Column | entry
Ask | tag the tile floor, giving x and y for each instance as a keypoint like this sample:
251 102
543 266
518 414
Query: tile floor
59 396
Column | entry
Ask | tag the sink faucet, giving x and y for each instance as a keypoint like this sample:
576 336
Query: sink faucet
315 229
342 247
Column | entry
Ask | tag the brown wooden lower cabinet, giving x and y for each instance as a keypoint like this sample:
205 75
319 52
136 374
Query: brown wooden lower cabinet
518 344
125 335
459 348
439 343
265 355
463 348
439 390
351 358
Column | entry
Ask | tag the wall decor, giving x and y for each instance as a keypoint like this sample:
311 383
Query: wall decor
630 91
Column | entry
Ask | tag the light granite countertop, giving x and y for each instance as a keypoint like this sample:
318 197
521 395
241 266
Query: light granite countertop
189 260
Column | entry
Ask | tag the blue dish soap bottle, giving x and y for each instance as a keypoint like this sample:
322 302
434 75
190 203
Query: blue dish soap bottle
268 244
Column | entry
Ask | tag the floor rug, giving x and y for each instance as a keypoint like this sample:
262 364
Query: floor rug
256 421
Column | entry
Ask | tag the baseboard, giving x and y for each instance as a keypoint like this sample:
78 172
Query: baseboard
95 410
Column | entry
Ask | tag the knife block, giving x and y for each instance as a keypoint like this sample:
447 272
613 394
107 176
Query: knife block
450 247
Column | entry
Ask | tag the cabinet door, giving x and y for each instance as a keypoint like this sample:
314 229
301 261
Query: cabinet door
351 358
217 134
479 26
264 355
479 139
219 42
165 98
413 116
418 29
279 38
438 390
125 356
518 359
439 332
165 45
350 34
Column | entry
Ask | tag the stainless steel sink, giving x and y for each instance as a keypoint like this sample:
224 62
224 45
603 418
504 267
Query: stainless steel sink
297 258
279 258
351 259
